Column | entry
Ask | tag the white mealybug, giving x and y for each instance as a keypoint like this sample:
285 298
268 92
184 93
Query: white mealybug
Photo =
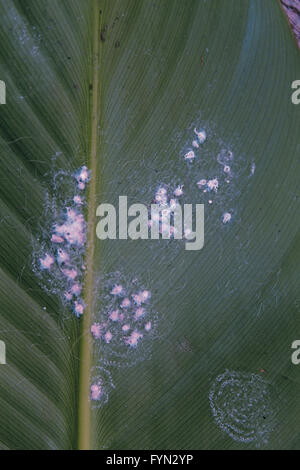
226 217
178 191
201 183
201 135
108 337
189 156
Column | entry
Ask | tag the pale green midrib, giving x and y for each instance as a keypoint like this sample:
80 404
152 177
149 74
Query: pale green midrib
84 413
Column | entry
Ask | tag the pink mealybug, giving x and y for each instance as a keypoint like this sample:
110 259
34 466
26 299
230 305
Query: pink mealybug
56 239
189 156
76 288
96 330
117 290
201 183
213 184
137 298
70 273
96 391
178 191
140 312
101 385
78 200
108 337
133 339
161 196
114 315
173 204
79 307
68 296
83 174
47 261
130 341
125 303
146 295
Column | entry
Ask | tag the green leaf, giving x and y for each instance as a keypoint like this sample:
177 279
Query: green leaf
120 86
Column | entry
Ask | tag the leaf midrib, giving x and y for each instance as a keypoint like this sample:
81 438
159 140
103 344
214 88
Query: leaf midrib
84 413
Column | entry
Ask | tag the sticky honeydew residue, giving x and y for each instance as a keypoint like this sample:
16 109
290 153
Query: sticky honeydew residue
242 406
58 251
